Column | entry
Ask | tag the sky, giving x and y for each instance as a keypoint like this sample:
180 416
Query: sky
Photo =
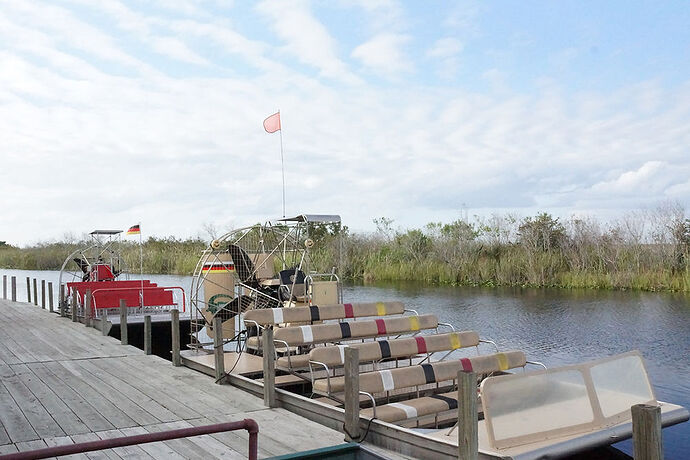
114 113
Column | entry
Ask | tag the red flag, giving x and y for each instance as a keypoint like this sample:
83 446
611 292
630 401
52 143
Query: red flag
272 123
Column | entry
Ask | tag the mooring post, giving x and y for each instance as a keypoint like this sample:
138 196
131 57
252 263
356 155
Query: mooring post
269 352
51 306
468 443
147 334
14 289
28 290
43 294
87 309
123 322
218 351
175 325
646 424
62 300
352 431
74 306
35 292
4 287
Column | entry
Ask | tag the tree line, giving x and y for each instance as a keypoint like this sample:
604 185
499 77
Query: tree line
645 250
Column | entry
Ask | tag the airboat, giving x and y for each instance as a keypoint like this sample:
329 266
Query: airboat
95 281
275 276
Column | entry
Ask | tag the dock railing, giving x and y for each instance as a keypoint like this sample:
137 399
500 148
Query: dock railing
56 451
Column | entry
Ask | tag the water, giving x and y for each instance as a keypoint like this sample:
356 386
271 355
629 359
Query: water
554 326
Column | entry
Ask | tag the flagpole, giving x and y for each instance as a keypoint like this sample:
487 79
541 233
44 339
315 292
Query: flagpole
141 270
282 163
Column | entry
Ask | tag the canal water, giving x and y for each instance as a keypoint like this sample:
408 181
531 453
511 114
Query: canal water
554 326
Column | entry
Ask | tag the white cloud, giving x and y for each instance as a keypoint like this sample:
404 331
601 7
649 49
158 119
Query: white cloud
384 54
176 49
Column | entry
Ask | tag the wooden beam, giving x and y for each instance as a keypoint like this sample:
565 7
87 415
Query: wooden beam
269 368
62 300
218 353
175 325
14 289
28 289
352 431
124 340
4 287
43 294
468 444
646 423
88 316
35 292
51 306
74 306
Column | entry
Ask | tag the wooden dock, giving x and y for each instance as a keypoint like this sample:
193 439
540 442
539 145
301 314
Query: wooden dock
62 383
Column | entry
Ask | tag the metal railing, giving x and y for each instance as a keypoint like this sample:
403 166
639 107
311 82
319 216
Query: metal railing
247 424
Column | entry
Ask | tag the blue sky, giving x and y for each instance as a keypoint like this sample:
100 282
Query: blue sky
115 112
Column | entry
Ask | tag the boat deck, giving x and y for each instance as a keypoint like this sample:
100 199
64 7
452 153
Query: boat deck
62 383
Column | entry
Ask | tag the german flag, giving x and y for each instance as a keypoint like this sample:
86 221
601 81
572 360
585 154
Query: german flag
134 230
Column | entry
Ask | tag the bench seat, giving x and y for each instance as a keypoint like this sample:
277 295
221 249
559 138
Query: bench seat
314 313
413 408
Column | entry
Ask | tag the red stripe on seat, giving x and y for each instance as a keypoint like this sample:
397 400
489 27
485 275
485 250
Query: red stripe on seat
348 311
421 344
381 326
466 364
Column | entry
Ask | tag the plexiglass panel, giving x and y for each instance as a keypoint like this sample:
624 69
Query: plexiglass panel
530 404
621 384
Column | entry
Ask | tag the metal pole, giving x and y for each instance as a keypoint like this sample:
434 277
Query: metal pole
352 431
123 322
468 444
269 368
175 325
147 334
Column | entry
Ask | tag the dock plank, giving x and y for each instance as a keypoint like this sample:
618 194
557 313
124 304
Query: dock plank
13 420
40 419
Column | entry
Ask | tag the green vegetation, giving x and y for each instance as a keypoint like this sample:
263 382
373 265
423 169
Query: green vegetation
645 250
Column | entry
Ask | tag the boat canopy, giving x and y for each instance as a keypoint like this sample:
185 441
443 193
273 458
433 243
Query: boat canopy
316 218
105 232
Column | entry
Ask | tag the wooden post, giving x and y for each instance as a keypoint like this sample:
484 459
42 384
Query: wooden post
43 294
269 352
147 334
123 322
468 443
14 289
4 287
646 423
50 297
35 292
74 306
28 290
62 303
87 309
218 351
352 431
175 324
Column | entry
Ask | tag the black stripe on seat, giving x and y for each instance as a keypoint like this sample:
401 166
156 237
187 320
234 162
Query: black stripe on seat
345 330
314 310
385 348
452 403
429 375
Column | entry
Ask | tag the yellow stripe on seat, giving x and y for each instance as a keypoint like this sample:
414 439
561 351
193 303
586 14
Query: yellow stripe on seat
381 309
455 341
414 323
502 361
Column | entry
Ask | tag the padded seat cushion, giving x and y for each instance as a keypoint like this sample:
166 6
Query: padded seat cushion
405 410
297 361
397 348
271 316
335 332
403 377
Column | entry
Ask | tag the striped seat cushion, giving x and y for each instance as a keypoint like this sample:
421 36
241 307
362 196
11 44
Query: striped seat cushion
404 377
405 410
397 348
334 332
272 316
